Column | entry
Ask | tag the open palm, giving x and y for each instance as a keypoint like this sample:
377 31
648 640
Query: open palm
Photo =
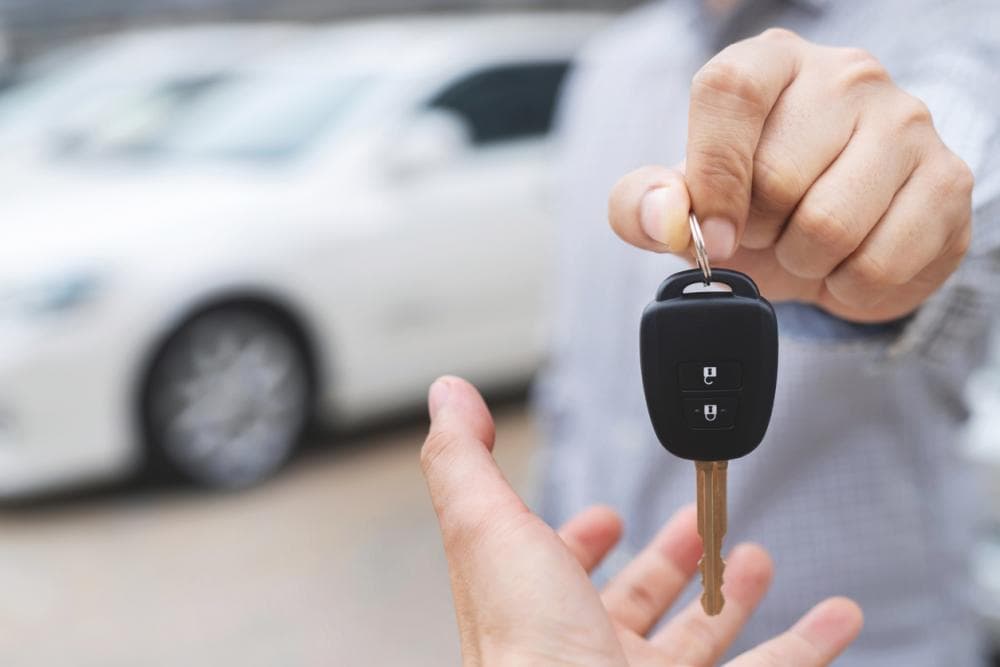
522 591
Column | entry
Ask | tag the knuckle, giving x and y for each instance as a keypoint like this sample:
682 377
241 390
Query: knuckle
435 448
858 67
777 184
641 597
965 181
701 632
725 78
950 180
912 112
789 648
961 179
853 55
721 164
770 655
821 226
960 243
779 34
869 272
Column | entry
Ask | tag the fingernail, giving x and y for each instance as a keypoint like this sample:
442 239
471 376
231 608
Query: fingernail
660 211
720 238
437 396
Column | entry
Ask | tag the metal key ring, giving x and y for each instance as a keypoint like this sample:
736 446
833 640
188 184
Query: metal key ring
700 255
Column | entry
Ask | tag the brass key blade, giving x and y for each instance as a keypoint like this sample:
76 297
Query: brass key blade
711 493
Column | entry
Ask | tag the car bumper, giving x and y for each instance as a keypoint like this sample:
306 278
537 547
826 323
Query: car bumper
64 410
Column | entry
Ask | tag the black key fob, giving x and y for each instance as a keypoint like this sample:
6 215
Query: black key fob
709 366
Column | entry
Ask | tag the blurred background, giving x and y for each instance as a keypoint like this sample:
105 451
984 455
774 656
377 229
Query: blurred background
238 239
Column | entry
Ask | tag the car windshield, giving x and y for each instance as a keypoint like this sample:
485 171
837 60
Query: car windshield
260 117
95 103
43 84
127 118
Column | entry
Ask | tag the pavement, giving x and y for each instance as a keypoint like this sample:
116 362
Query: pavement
336 562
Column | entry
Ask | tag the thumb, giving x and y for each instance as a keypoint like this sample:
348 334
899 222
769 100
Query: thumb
467 488
648 208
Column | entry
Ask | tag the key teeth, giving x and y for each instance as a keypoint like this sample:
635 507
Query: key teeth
706 603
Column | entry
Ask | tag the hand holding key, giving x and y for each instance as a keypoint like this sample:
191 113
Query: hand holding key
521 590
815 174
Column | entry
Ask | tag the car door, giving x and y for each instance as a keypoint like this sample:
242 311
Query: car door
475 230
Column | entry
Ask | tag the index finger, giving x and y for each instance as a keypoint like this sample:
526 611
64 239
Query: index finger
645 588
731 98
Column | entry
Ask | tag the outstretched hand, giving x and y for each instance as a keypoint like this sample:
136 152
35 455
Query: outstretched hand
522 591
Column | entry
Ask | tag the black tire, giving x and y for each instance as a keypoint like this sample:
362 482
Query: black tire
227 398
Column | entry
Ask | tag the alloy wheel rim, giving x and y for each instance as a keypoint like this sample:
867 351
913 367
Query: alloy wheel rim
234 402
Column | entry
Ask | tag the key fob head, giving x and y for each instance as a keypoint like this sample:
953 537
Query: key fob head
709 366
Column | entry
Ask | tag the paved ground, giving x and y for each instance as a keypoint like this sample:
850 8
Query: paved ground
337 562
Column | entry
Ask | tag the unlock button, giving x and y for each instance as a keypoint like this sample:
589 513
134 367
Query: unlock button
710 412
710 375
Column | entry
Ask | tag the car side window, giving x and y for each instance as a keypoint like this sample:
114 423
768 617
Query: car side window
505 102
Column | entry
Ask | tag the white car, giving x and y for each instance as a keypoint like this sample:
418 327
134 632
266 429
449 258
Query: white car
326 233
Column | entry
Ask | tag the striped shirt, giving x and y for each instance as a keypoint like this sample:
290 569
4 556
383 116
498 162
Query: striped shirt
858 488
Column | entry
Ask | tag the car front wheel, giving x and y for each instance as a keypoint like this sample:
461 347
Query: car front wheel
228 397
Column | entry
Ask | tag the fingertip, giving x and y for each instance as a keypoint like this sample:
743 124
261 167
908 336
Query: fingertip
679 541
648 208
685 523
688 514
720 238
832 624
845 611
456 405
663 215
608 520
437 395
754 556
591 534
750 571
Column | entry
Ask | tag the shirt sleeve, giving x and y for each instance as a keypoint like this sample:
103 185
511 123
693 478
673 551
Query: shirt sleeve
962 89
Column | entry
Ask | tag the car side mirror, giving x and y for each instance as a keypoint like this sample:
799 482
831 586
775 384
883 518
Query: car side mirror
432 140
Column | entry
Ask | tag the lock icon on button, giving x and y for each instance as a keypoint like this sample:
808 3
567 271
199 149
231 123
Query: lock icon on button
711 412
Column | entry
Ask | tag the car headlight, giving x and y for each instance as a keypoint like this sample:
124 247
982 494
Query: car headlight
49 295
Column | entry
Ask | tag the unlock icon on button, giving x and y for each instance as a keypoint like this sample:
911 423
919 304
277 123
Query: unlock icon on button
711 412
709 374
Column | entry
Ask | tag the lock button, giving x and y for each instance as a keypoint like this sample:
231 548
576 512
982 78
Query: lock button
710 412
709 375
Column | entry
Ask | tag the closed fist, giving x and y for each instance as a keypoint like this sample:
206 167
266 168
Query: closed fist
814 173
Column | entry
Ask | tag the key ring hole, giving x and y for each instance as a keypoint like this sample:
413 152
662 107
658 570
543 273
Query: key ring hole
675 286
700 287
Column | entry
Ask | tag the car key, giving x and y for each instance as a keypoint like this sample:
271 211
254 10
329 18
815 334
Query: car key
709 368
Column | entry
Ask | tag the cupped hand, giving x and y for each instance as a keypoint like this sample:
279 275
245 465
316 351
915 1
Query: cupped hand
814 173
522 591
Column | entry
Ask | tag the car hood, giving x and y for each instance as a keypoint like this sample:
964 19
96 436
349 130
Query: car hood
67 219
